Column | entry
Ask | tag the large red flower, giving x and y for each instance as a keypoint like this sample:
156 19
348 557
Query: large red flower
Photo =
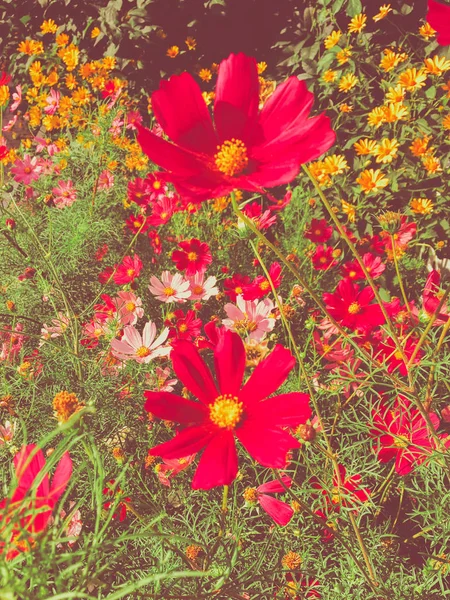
438 16
352 307
245 149
225 410
28 510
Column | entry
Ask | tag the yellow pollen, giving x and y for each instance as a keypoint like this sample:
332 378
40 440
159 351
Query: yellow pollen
131 272
168 291
226 411
231 158
27 170
250 495
264 285
326 348
183 327
238 290
398 355
143 351
130 306
354 308
192 256
401 441
156 185
352 274
198 289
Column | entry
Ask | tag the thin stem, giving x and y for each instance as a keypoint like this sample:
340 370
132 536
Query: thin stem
399 277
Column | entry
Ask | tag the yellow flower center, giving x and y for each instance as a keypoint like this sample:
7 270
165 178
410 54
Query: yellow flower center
354 308
168 291
398 355
238 290
250 495
264 285
130 306
401 441
183 327
198 289
143 351
130 272
192 256
226 411
231 158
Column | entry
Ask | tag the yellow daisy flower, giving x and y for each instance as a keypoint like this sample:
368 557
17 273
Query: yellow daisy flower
391 59
334 164
386 150
347 82
395 112
358 23
190 42
95 32
49 26
436 65
421 206
365 146
261 66
173 52
346 108
377 116
419 147
343 55
446 122
372 179
332 39
431 164
329 76
395 94
205 74
383 12
426 31
62 40
412 79
349 210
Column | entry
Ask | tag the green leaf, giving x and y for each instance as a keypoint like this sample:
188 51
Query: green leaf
337 5
431 92
354 7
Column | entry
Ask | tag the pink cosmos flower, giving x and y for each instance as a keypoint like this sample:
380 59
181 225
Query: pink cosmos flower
129 308
133 118
65 194
10 124
58 328
143 348
279 511
373 264
74 526
128 270
431 299
262 220
27 170
105 180
12 342
250 317
42 144
7 432
202 290
52 102
17 99
171 288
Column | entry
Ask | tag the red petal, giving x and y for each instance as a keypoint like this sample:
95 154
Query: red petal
182 113
218 464
167 155
229 360
61 477
275 487
267 376
237 98
438 17
280 512
290 102
283 410
192 371
27 469
267 446
172 407
186 442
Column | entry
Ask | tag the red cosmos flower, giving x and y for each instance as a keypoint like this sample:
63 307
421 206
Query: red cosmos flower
162 210
373 264
351 307
106 275
139 191
279 511
318 231
402 433
245 150
402 237
280 204
101 252
332 351
225 410
194 256
29 463
431 300
438 16
29 273
345 491
323 258
184 326
135 222
260 286
112 491
3 151
388 353
128 270
235 285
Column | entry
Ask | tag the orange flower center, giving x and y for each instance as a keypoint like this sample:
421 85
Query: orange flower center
231 158
226 411
131 272
264 285
130 306
168 291
401 441
354 308
398 355
198 289
192 256
143 351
